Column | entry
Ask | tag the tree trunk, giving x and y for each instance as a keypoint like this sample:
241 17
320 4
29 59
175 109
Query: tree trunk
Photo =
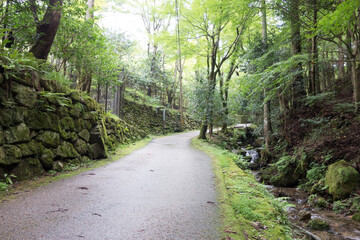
98 92
180 66
203 130
90 9
46 30
314 68
266 107
298 84
106 96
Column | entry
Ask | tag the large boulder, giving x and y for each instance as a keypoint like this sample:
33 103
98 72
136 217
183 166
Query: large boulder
18 134
342 179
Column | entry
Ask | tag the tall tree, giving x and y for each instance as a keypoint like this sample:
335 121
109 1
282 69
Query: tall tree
180 64
84 80
267 114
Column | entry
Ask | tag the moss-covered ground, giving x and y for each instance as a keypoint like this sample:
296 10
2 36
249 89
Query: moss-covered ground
248 210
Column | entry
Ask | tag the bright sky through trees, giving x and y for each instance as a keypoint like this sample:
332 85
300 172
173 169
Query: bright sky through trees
124 21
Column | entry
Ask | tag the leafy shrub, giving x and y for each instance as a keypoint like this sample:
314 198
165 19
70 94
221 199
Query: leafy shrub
318 98
3 186
315 173
59 77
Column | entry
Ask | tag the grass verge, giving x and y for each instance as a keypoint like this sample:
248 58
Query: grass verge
248 210
122 151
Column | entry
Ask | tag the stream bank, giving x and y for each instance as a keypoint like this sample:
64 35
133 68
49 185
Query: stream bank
311 216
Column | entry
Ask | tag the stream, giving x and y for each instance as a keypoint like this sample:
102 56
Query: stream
341 226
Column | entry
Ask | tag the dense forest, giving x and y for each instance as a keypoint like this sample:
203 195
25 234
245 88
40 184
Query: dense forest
290 68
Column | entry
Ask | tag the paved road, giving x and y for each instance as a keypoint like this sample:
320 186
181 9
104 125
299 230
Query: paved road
162 191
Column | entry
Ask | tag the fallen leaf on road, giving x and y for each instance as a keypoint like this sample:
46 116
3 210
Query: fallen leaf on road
83 188
96 214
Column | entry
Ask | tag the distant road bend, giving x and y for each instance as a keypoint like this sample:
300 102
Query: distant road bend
162 191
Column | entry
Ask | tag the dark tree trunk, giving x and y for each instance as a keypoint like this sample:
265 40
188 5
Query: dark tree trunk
106 96
46 30
298 84
314 68
203 131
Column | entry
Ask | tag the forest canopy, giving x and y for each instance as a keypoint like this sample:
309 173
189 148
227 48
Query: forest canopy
221 61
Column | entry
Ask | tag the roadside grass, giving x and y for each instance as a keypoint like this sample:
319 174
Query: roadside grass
122 151
248 210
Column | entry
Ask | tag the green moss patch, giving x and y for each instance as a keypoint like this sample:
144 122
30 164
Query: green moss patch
342 179
249 211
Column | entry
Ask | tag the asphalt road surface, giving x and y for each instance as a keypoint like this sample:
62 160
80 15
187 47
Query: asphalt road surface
165 190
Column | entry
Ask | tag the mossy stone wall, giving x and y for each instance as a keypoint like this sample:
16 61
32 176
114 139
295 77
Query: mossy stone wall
44 126
150 119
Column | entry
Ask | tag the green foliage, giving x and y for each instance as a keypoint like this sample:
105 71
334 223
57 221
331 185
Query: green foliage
340 206
250 200
59 77
13 61
315 173
338 21
3 186
201 101
8 179
60 98
319 98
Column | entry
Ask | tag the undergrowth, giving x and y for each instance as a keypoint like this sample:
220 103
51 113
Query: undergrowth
249 210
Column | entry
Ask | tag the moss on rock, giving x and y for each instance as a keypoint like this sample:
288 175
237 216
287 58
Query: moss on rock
78 125
356 217
66 150
31 148
18 134
58 166
342 179
63 111
90 103
27 169
25 96
286 178
10 154
85 135
67 123
38 120
318 225
49 139
80 146
47 159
